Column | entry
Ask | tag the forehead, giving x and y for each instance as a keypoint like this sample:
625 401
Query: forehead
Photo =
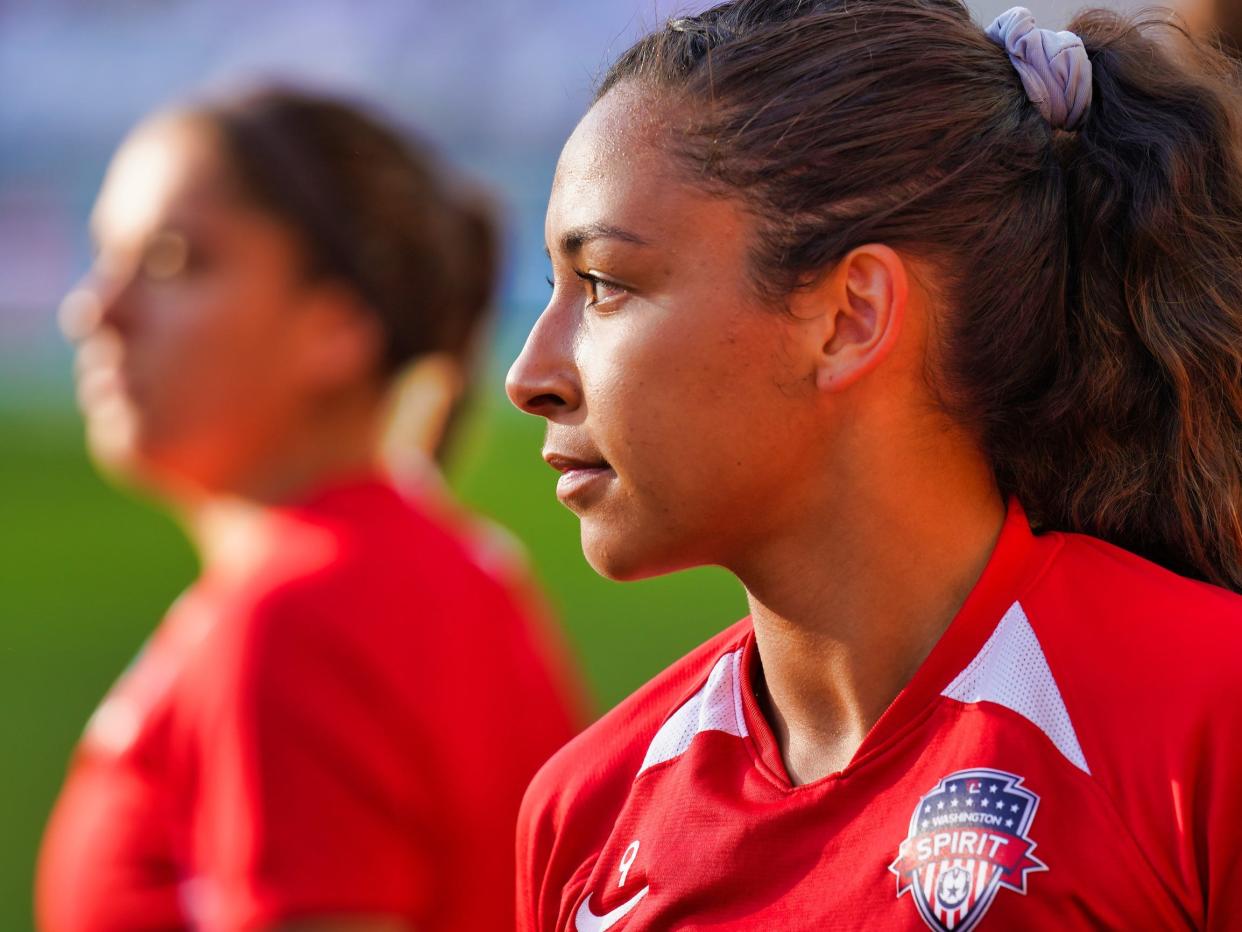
625 123
614 171
164 166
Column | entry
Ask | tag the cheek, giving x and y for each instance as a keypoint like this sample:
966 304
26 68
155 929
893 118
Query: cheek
233 337
690 425
207 371
696 401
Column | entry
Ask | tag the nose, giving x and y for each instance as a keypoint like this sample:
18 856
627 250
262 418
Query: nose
543 380
79 314
93 303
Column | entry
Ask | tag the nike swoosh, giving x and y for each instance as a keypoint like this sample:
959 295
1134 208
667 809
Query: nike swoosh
587 921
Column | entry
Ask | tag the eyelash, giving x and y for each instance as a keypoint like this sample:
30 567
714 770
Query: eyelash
594 281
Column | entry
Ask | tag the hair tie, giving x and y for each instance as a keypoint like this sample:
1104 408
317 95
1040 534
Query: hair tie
1053 66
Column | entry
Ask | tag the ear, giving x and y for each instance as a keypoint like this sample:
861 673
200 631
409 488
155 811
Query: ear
341 339
421 405
860 305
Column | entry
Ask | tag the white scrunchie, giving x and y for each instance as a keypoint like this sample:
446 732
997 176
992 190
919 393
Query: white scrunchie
1053 66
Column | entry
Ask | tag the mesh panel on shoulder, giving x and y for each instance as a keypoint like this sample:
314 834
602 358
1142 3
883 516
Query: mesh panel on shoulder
717 706
1011 670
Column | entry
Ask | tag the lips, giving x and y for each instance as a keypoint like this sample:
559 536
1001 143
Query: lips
102 384
580 475
102 374
564 463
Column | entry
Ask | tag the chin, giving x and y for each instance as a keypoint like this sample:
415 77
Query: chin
125 455
113 444
123 467
627 556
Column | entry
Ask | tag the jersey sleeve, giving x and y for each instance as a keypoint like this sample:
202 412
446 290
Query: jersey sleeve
1215 806
536 840
569 809
1150 664
306 797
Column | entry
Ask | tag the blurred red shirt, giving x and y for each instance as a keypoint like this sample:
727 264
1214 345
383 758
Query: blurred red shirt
345 728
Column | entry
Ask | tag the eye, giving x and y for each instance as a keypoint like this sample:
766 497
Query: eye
166 256
600 289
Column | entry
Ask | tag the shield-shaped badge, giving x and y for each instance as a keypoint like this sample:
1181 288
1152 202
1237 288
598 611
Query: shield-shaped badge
969 836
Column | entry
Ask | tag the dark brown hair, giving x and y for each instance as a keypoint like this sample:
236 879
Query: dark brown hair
371 207
1226 21
1092 280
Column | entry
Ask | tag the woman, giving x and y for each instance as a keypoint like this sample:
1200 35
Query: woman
333 727
932 337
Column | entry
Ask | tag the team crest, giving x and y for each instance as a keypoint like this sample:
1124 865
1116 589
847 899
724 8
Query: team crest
968 839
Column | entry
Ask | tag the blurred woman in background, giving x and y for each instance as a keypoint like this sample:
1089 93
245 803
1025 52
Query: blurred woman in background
336 722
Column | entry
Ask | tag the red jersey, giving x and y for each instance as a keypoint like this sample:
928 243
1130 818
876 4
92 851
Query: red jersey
347 728
1069 756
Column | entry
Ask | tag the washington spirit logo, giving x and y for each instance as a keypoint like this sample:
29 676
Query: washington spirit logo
968 838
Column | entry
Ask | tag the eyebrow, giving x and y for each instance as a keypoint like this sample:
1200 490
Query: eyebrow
573 240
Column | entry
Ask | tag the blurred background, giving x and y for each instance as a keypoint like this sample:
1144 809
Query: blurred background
87 570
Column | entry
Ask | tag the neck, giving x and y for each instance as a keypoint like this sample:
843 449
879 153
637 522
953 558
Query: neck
331 445
224 520
849 604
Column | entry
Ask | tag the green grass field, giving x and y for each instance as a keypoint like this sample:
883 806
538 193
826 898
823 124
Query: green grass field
86 571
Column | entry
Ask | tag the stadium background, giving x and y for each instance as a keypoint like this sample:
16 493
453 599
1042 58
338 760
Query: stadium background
86 570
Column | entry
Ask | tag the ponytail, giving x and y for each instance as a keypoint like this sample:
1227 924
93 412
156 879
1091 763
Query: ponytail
1145 411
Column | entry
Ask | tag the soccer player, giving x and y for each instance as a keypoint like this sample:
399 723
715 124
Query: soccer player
333 727
933 337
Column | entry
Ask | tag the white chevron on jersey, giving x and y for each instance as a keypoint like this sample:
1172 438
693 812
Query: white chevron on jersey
717 706
1011 670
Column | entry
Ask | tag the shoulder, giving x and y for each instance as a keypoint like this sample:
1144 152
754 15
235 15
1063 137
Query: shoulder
592 774
1149 662
377 555
372 590
1141 618
1148 665
612 750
